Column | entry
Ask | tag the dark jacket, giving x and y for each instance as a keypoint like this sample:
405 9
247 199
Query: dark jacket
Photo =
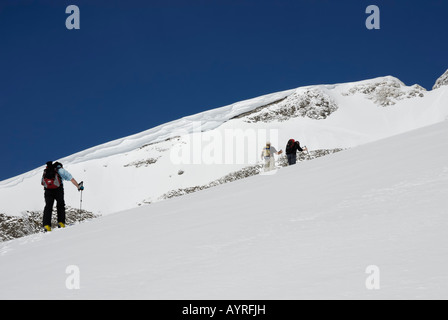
293 150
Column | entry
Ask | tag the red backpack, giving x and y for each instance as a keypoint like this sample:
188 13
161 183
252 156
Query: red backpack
51 178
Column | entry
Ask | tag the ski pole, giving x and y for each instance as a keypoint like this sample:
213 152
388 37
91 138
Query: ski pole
81 184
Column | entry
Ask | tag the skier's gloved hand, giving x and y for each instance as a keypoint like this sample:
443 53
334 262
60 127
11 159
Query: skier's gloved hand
81 188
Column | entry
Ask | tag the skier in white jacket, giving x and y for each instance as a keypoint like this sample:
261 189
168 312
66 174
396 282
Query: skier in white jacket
268 155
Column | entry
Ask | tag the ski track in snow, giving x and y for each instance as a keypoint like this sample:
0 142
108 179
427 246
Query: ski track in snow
403 191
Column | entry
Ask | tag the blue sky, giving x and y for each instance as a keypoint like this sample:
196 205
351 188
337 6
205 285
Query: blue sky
136 64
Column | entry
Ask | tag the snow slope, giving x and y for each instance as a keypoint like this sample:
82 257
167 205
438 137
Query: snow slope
325 116
310 231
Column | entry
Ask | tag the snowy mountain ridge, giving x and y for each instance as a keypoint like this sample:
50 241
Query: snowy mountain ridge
310 231
323 117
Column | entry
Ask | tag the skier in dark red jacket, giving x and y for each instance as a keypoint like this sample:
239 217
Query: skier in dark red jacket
291 151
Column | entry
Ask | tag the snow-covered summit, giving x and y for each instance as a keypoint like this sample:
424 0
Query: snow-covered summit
442 81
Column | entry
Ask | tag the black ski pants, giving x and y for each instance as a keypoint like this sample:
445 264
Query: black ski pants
292 158
50 196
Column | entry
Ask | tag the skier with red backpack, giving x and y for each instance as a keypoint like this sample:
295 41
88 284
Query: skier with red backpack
52 180
291 151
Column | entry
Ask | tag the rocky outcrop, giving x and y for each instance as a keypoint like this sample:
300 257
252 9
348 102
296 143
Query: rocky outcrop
141 163
442 81
13 227
311 103
387 91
